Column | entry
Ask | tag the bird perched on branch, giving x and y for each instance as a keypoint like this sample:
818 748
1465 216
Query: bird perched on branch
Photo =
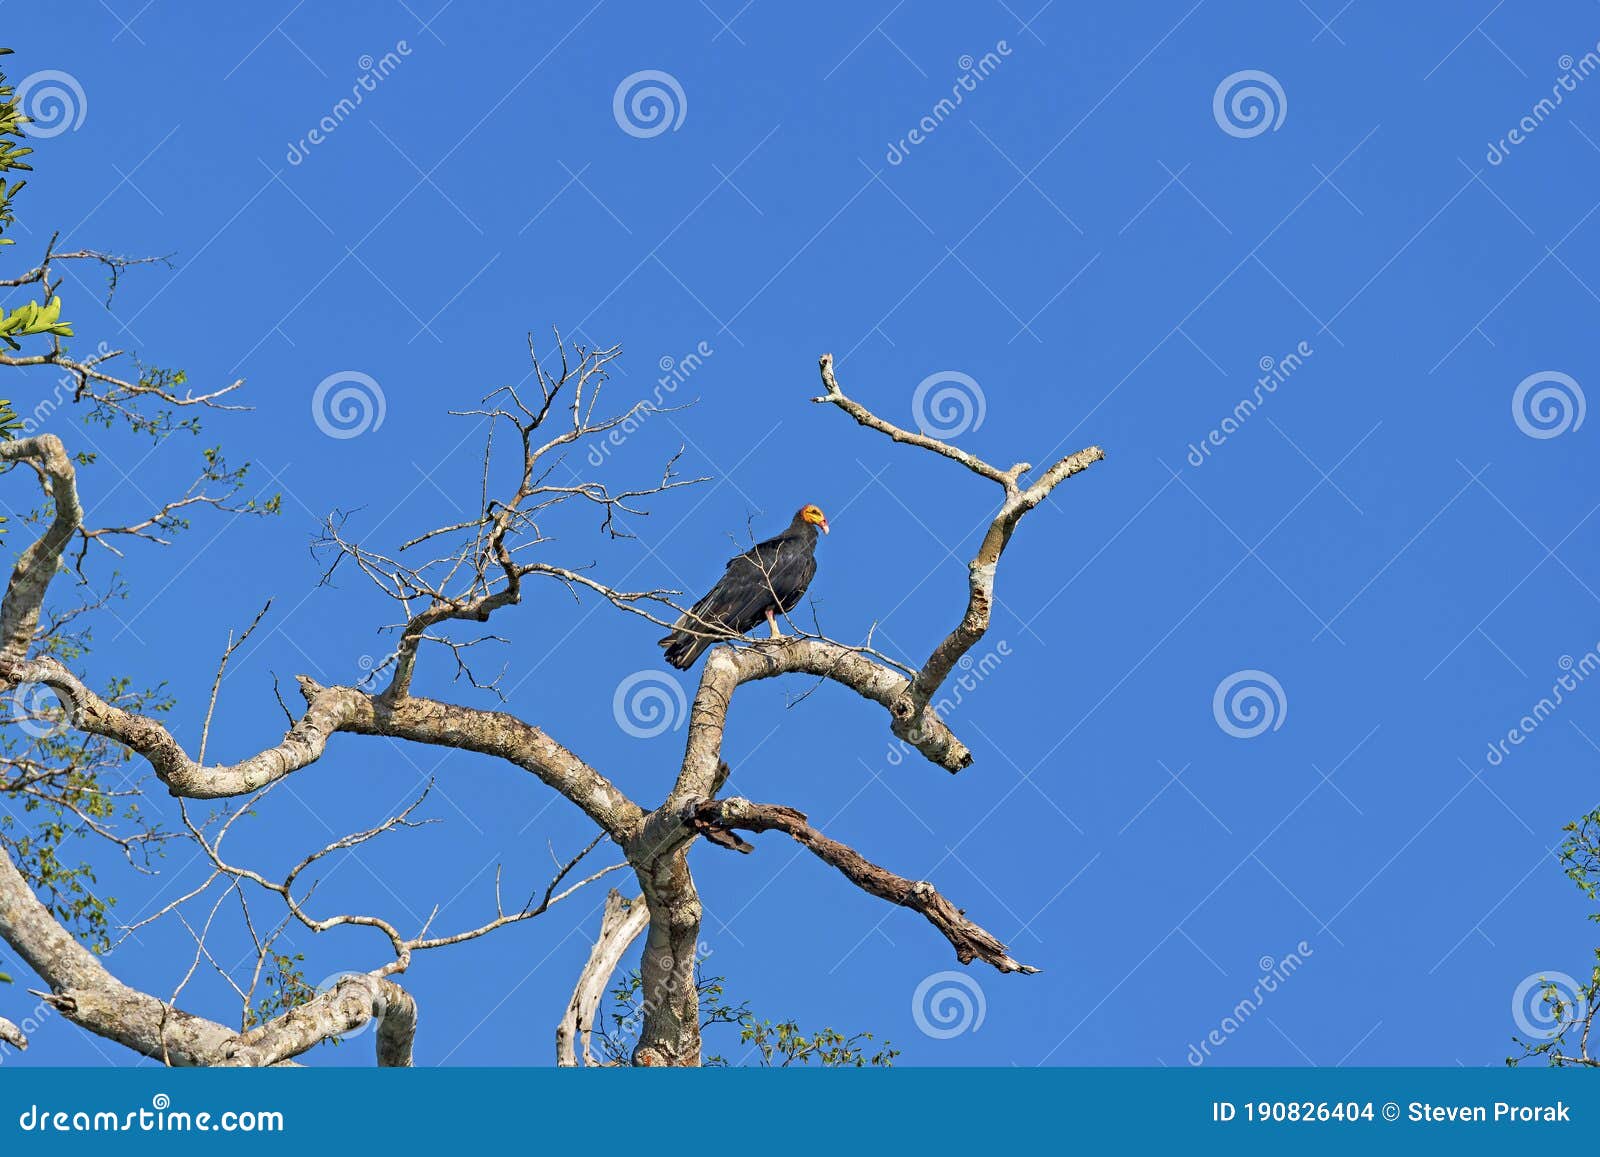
765 581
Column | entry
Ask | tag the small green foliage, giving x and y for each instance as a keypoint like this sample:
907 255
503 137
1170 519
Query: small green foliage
285 981
66 889
766 1045
1580 853
60 787
63 786
153 383
1572 1013
782 1045
31 317
11 153
217 470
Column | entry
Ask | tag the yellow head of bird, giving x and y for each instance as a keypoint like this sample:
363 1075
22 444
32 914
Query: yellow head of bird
814 515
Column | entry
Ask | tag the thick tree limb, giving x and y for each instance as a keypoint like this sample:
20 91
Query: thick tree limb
83 991
12 1035
30 578
352 1002
726 669
981 575
670 1033
330 710
970 941
620 925
87 994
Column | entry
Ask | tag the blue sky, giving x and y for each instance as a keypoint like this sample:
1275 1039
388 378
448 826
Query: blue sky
1107 262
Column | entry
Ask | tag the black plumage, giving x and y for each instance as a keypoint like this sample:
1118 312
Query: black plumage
767 580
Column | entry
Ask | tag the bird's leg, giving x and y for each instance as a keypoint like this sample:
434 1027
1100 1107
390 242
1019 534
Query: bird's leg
772 624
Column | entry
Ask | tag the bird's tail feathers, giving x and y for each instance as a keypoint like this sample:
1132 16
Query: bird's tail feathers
683 649
690 637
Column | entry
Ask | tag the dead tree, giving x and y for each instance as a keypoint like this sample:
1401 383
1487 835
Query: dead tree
466 573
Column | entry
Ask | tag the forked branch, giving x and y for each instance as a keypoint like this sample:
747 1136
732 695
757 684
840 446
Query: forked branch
721 817
1019 499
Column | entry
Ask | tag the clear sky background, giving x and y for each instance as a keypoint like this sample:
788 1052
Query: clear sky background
1108 263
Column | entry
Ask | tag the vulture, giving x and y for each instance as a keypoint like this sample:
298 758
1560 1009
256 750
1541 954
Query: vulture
765 581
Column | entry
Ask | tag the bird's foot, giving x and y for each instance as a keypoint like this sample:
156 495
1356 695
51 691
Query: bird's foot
772 625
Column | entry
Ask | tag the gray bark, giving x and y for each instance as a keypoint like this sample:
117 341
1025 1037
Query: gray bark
655 841
620 925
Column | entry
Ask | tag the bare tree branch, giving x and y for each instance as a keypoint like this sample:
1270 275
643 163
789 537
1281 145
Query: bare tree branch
222 669
833 395
620 925
110 394
970 941
981 570
484 571
478 566
114 265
